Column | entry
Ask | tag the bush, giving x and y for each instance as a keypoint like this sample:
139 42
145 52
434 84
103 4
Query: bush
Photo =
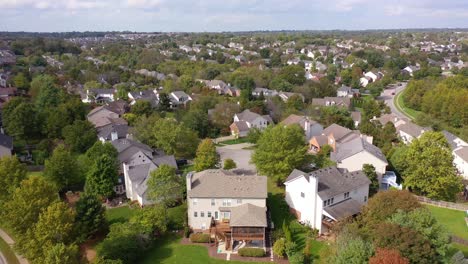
200 238
279 248
251 252
187 231
229 164
296 258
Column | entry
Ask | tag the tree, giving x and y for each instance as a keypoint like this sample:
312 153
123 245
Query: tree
12 172
430 170
62 254
152 220
279 247
388 256
254 135
265 53
294 74
280 150
197 120
102 177
90 215
141 108
28 200
353 250
336 115
164 186
21 82
223 114
175 139
164 102
39 83
144 129
54 226
19 119
229 164
79 136
61 168
99 149
206 157
369 171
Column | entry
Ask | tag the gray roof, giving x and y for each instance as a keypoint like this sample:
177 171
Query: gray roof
6 141
412 129
356 116
355 146
343 209
247 116
297 119
106 131
165 159
337 101
248 215
338 131
241 126
139 175
462 153
333 181
345 88
227 184
127 148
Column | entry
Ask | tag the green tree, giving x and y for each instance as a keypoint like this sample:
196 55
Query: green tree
28 200
41 82
152 220
352 250
12 173
62 254
206 157
198 121
61 168
223 114
336 115
19 119
102 177
175 139
294 74
430 170
229 164
164 186
265 53
21 82
90 215
79 136
143 129
280 150
369 171
141 108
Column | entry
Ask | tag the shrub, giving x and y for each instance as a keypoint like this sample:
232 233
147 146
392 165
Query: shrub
296 258
251 252
279 248
200 238
187 231
229 164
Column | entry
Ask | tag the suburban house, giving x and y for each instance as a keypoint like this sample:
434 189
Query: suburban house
179 98
105 115
323 197
374 76
3 80
332 135
147 95
6 145
346 91
311 127
229 206
99 96
364 81
264 91
354 153
332 101
137 161
113 132
411 69
246 120
459 151
409 131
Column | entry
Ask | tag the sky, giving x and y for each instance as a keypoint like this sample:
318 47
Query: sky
229 15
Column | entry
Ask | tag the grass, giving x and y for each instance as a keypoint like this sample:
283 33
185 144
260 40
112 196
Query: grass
35 173
234 141
120 214
8 252
400 105
453 220
168 250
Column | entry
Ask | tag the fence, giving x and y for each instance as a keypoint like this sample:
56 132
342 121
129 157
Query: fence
449 205
459 240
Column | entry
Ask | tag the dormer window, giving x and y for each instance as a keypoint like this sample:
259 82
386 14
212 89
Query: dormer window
302 195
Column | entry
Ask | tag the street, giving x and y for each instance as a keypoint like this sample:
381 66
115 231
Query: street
388 98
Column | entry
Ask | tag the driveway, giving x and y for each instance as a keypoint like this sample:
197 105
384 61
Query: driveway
239 155
388 98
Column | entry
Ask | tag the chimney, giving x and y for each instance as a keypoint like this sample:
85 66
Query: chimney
188 180
114 135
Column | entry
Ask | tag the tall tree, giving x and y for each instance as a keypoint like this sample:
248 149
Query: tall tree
430 169
62 254
90 215
19 119
12 172
223 114
102 177
369 171
28 201
280 150
198 121
79 136
175 138
206 157
61 168
164 186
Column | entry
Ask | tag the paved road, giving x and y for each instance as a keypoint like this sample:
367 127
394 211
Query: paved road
388 98
239 155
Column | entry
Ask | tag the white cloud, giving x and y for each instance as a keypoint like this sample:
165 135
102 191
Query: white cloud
145 3
53 4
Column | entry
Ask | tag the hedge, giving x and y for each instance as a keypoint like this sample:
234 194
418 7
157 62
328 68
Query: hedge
251 252
200 238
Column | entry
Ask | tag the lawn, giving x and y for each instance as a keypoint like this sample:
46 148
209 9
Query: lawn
120 214
169 251
34 173
400 104
234 141
8 252
453 220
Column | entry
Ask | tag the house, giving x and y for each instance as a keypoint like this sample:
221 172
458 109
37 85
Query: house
332 101
346 91
257 92
286 95
294 61
311 127
390 118
150 96
104 115
246 120
6 145
364 81
113 132
7 57
230 207
411 69
214 84
354 153
333 136
137 161
323 197
240 59
3 80
374 76
179 98
153 74
409 131
99 96
459 150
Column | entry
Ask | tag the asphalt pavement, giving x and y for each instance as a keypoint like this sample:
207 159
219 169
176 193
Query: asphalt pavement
388 98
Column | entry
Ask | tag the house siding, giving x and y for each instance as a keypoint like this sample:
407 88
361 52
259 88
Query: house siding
355 162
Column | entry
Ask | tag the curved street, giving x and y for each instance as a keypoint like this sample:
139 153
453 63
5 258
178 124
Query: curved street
388 98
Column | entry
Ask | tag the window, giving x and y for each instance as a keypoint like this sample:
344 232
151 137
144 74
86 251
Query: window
195 214
324 203
202 214
332 200
209 214
225 215
213 202
227 202
239 201
346 195
195 201
365 198
302 195
216 215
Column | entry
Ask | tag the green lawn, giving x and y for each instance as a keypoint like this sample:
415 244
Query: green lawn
400 104
453 220
34 173
169 251
462 248
8 253
120 214
234 141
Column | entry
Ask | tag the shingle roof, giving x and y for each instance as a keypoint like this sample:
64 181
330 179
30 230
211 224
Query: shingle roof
338 131
6 141
344 209
248 215
226 184
127 148
247 116
356 116
106 131
297 119
241 126
354 146
411 129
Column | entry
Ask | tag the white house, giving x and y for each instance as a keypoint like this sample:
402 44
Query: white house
323 197
99 96
364 81
460 159
408 131
246 120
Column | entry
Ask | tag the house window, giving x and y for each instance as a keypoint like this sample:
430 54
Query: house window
227 202
365 198
213 202
239 201
324 203
195 201
209 214
195 214
202 214
216 215
346 195
302 195
332 200
225 215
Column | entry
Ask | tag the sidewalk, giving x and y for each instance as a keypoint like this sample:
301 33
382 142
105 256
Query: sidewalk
11 242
